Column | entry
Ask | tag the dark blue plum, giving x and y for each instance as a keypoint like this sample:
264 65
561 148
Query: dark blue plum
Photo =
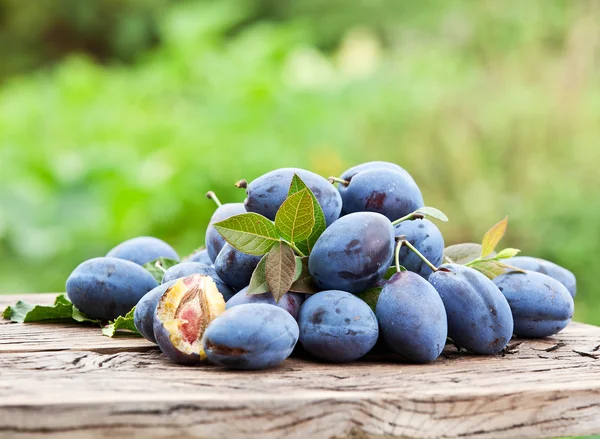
234 267
143 249
143 316
354 253
290 301
541 306
251 336
386 191
269 191
213 240
427 238
369 166
548 268
479 318
187 268
105 288
200 256
337 326
182 313
412 317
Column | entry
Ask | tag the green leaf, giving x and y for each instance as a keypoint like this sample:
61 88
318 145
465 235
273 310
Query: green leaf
80 317
432 212
307 245
249 233
295 218
158 267
258 282
370 296
493 237
462 253
490 268
303 282
122 323
24 312
280 269
507 253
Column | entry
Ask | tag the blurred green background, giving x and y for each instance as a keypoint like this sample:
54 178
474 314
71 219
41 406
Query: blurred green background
117 116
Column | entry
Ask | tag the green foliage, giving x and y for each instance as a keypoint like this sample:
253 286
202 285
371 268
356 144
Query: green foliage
123 324
493 107
62 309
158 267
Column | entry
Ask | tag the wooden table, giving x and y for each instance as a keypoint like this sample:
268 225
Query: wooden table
68 381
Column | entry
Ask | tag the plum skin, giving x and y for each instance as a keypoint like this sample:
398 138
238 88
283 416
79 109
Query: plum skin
541 305
337 326
251 336
412 318
354 253
213 240
143 316
106 288
290 301
188 268
548 268
201 256
266 193
386 191
427 238
234 267
479 317
143 249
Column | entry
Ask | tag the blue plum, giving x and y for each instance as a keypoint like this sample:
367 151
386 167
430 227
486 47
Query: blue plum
251 336
427 238
548 268
269 191
389 192
143 316
369 166
143 249
200 256
213 240
337 326
290 301
479 318
234 267
187 268
105 288
182 314
353 253
541 306
412 317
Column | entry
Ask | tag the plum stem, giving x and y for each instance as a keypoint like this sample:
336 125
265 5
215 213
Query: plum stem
419 254
241 184
158 265
296 249
410 217
212 196
333 180
397 254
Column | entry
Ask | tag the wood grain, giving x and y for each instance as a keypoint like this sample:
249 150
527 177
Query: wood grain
71 382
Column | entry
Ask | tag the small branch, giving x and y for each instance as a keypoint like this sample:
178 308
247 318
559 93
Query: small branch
212 196
418 253
397 254
241 184
333 180
296 249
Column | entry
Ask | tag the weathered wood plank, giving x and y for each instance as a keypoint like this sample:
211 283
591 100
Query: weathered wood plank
89 390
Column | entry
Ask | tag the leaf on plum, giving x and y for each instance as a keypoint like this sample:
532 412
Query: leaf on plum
121 324
432 212
158 267
493 237
462 253
295 218
280 269
249 233
319 226
258 282
303 282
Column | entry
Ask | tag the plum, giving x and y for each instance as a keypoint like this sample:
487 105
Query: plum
290 301
541 305
182 314
106 288
479 318
426 238
412 317
143 316
369 166
266 194
200 255
213 240
548 268
234 267
143 249
353 253
337 326
251 336
187 268
383 190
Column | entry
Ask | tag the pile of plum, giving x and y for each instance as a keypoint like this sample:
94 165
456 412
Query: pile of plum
337 264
